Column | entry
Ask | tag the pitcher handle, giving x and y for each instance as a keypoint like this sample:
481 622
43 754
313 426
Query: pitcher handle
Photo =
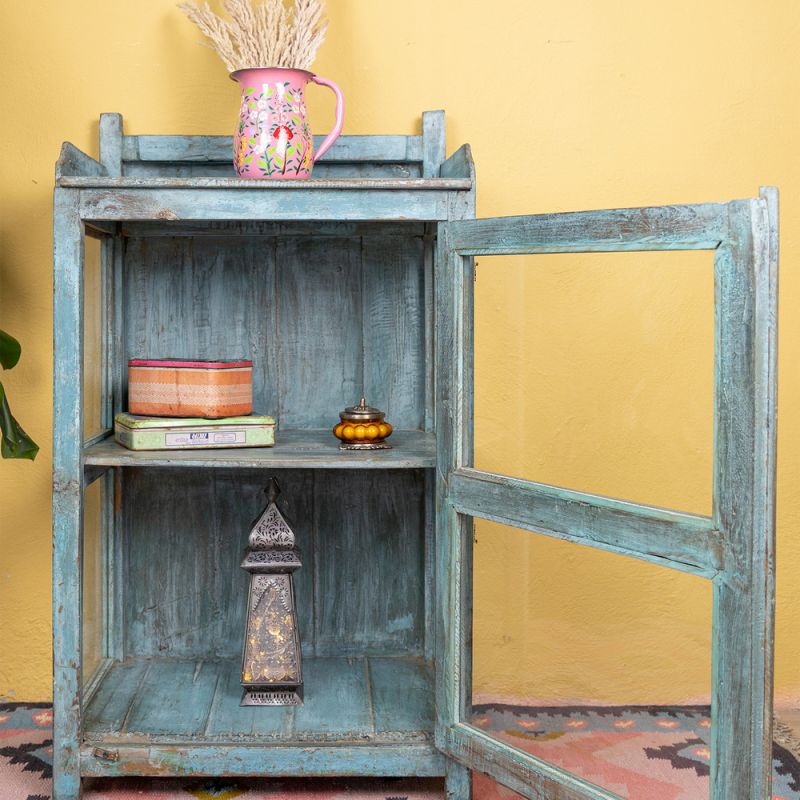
337 128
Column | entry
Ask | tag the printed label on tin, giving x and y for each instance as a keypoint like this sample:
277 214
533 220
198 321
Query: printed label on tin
204 438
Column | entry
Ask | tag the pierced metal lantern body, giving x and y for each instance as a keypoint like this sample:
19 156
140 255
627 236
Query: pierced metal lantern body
272 670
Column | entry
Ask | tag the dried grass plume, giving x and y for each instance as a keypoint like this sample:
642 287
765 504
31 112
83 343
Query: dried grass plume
268 34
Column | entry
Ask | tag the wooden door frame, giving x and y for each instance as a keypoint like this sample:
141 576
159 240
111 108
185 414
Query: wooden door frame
734 547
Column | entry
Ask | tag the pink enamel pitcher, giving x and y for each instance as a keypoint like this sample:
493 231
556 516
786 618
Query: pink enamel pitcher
273 138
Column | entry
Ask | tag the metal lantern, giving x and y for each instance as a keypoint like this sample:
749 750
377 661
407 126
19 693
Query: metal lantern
272 673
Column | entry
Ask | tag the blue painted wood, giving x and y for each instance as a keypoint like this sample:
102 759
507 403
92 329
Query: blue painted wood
234 759
298 449
189 602
210 149
111 139
433 143
668 538
72 162
457 782
744 501
388 678
173 698
696 227
425 201
196 701
735 547
67 492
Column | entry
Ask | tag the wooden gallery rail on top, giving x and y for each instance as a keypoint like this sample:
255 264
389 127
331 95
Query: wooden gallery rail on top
377 248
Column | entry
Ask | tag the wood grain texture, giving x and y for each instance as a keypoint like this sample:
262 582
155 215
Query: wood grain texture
734 547
234 759
166 700
348 148
697 227
744 507
190 600
320 363
74 163
83 163
111 138
369 592
433 143
293 449
251 201
521 772
347 319
68 254
394 328
668 538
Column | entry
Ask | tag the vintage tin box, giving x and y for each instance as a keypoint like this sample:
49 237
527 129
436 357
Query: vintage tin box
157 433
178 388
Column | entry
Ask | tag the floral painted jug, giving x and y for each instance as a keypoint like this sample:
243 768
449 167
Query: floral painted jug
273 138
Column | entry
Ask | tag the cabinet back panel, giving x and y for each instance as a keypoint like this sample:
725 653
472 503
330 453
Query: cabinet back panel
361 534
324 318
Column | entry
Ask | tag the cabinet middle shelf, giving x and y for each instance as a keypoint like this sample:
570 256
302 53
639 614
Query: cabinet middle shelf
309 449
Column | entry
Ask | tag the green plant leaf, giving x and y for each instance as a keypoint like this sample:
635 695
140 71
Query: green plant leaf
16 443
9 350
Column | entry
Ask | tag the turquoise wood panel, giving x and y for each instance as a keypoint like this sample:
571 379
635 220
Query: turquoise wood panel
744 499
390 676
346 318
369 582
424 200
228 720
735 548
685 541
233 759
387 700
67 490
174 698
184 594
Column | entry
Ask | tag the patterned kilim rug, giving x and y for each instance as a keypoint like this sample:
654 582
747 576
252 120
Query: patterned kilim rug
641 753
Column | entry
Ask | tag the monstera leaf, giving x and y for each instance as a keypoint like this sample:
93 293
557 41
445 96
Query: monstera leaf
15 442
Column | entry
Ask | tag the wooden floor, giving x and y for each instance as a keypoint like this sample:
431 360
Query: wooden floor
370 700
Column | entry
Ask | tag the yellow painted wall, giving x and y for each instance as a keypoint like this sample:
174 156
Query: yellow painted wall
568 105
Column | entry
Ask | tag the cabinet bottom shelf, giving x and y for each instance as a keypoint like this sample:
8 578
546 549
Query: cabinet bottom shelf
361 716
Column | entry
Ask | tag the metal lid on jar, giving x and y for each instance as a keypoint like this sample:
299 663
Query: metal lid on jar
362 412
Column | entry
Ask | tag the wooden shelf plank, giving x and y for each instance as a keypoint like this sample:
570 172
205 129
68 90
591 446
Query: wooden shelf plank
385 700
398 184
313 449
387 675
174 698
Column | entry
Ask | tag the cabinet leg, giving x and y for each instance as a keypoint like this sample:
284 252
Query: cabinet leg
66 787
457 782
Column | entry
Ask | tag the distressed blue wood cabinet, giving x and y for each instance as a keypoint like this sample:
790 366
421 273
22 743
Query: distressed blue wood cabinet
358 281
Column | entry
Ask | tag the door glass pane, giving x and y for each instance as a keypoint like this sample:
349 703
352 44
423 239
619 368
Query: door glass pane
92 338
595 372
597 663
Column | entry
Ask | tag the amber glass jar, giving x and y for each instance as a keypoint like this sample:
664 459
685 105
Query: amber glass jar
362 427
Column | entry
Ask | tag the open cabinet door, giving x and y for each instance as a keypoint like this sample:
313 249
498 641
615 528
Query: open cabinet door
732 547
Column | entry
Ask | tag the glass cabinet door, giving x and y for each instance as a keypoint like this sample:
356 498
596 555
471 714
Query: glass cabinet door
590 646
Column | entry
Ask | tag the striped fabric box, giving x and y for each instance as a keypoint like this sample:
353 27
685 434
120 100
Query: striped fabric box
177 388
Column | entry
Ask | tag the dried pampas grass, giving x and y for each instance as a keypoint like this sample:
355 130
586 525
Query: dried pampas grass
267 35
